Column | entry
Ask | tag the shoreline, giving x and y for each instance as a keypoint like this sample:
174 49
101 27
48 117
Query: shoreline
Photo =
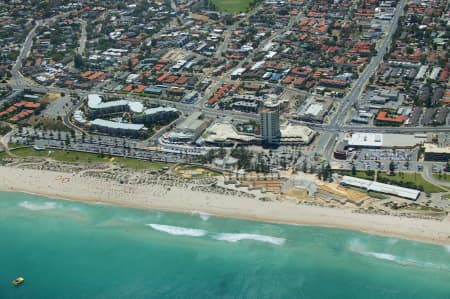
161 198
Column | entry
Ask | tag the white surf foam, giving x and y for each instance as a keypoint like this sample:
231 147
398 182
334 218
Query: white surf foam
202 215
405 262
357 246
381 256
239 237
447 248
392 241
178 231
37 206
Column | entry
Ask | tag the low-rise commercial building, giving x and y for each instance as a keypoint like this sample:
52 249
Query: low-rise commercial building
314 110
117 128
295 134
226 134
98 107
189 129
154 115
245 106
380 187
385 118
436 153
79 118
378 140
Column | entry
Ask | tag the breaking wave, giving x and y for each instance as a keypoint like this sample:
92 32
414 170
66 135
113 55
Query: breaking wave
392 241
381 256
202 215
37 206
239 237
355 245
178 230
447 247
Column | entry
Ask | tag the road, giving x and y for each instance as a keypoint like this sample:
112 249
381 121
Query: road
228 33
337 120
24 52
4 140
226 77
328 132
173 5
428 175
68 116
83 38
185 108
18 81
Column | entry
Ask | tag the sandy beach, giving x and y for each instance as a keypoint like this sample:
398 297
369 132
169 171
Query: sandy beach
74 186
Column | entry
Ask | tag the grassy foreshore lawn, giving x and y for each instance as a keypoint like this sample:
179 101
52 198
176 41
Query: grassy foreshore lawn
73 156
443 177
358 174
412 178
404 179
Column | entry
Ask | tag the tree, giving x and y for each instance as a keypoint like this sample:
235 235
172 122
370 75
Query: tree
323 174
423 59
228 20
130 64
244 157
392 168
78 61
222 152
328 172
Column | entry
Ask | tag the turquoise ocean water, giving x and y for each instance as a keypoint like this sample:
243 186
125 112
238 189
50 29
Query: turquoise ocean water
74 250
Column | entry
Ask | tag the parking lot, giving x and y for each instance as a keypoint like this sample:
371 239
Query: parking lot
59 107
114 146
386 154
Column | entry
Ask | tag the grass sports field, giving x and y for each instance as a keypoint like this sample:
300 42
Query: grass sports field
232 5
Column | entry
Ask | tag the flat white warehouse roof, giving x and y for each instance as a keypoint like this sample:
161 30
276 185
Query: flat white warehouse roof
314 109
380 187
117 125
384 140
